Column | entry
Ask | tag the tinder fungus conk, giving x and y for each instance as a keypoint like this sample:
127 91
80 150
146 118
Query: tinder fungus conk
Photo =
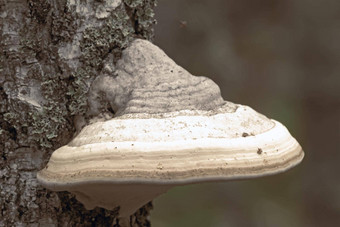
170 128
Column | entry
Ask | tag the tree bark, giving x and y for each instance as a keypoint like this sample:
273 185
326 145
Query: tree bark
51 51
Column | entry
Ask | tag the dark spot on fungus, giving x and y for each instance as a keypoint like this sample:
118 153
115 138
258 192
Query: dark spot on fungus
259 151
245 134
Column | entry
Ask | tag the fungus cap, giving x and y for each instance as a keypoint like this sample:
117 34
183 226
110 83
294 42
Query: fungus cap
170 128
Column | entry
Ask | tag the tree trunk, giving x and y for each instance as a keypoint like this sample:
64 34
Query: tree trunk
51 51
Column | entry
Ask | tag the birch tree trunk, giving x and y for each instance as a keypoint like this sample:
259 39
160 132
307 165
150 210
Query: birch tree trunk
51 51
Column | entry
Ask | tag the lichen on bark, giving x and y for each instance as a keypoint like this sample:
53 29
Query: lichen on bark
114 35
142 16
51 51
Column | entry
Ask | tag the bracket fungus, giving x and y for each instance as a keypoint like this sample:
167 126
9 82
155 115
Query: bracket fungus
169 128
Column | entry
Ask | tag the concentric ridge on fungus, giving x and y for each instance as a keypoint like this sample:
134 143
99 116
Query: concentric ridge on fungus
148 81
170 128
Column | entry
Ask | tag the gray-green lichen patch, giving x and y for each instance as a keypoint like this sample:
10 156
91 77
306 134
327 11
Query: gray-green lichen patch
112 36
78 88
142 16
104 9
63 24
39 9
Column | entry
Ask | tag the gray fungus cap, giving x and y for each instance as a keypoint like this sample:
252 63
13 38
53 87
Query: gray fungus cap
170 128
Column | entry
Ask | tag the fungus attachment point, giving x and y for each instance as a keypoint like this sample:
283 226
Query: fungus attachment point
170 128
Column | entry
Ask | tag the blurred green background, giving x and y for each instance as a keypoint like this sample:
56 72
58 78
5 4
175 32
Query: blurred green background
281 57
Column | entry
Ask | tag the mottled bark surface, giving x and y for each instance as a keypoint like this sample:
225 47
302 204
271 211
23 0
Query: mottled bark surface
51 51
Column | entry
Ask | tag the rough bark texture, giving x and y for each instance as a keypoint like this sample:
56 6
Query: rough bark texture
51 51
